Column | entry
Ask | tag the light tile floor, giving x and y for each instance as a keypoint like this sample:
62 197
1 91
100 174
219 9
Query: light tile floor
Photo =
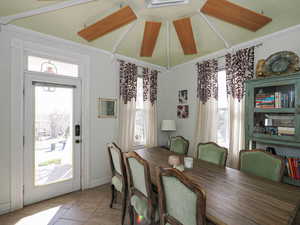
90 207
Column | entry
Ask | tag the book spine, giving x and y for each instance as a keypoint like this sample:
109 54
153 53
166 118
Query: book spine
288 167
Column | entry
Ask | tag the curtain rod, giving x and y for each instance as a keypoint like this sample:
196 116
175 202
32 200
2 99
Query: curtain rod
255 46
141 66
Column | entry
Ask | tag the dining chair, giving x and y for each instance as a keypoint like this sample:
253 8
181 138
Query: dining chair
143 201
119 178
181 201
212 152
179 145
262 164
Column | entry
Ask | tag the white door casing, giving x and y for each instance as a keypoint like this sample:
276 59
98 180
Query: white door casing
19 51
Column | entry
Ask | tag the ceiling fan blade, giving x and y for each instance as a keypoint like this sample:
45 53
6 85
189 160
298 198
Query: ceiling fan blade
235 14
185 35
151 33
110 23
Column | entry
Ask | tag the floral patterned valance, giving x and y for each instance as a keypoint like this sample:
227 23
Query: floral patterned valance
207 82
128 81
239 68
150 84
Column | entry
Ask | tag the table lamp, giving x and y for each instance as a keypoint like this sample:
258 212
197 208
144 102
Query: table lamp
168 125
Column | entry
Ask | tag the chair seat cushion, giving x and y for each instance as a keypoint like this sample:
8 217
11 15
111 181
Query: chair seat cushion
117 182
141 207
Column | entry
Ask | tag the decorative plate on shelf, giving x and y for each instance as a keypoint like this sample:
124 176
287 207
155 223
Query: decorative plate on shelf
281 63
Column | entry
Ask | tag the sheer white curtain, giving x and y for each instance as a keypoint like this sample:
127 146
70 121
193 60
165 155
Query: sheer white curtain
207 93
239 68
150 112
127 104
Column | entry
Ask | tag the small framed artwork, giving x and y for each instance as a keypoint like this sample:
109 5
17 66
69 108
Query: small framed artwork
183 96
107 108
182 111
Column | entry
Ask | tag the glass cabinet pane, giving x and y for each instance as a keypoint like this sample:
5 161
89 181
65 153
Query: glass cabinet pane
277 124
274 97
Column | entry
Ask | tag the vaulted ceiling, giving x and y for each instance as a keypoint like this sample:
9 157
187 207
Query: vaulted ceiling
66 23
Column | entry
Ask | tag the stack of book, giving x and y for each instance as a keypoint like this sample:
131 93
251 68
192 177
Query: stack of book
293 167
284 100
286 131
265 101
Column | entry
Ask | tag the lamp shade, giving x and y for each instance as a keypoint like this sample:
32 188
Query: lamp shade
168 125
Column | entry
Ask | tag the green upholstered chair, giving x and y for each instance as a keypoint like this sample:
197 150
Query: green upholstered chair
179 145
213 153
262 164
181 201
143 201
119 178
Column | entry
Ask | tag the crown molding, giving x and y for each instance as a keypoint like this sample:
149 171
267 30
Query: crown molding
7 19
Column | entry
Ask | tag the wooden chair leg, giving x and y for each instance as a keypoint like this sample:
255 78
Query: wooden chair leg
131 214
112 195
124 206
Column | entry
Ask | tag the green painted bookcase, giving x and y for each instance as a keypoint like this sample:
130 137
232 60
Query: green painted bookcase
273 123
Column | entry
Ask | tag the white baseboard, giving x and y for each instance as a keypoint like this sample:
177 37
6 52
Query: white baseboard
4 208
99 182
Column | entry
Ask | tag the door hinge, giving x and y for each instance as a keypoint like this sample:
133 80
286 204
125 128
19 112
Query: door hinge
23 189
23 141
23 92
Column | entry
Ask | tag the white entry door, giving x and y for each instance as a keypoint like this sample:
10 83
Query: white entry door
52 137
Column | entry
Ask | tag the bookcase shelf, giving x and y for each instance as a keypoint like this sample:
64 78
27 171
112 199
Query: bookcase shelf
289 180
278 110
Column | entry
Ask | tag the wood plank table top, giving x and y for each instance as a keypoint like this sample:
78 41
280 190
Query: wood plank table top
234 197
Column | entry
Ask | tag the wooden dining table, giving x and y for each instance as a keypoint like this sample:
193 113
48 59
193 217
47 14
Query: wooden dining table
234 197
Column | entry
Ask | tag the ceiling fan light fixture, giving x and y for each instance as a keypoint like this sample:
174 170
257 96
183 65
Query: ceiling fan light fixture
162 3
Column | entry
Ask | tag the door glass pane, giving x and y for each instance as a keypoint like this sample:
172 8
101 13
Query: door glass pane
38 64
53 134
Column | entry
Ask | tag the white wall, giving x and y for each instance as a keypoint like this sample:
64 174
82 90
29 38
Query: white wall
185 77
103 83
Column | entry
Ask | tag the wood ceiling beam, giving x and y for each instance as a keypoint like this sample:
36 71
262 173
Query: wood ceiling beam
185 35
110 23
235 14
7 19
151 33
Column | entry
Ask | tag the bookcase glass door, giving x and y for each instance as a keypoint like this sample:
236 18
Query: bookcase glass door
275 112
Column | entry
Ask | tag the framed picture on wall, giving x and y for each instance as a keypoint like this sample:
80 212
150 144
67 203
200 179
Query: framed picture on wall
182 111
107 108
183 96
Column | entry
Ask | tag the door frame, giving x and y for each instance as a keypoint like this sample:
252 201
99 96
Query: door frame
19 52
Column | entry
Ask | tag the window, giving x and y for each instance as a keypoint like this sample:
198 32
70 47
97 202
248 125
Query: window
223 112
139 129
161 3
38 64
